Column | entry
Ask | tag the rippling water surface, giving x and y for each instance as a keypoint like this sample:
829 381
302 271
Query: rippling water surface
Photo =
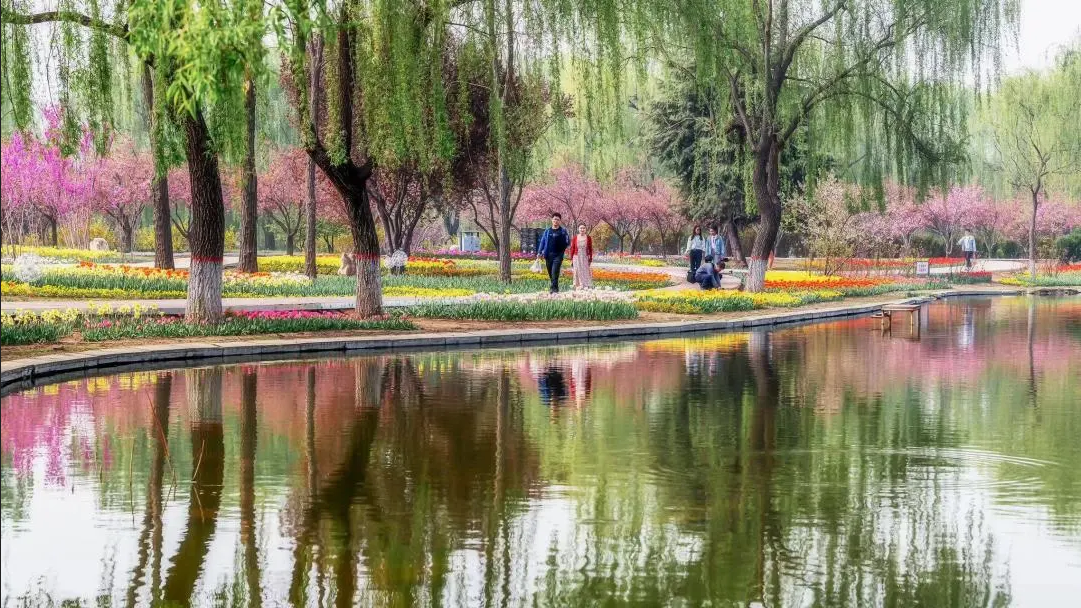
824 465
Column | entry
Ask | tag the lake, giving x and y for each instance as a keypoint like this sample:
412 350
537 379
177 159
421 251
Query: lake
830 464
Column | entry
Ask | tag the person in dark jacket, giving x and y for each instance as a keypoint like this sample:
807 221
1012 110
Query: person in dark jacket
708 275
553 244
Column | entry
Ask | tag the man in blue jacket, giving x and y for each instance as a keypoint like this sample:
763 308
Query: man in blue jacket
553 243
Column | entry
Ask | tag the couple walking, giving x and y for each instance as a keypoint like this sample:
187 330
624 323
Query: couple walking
555 242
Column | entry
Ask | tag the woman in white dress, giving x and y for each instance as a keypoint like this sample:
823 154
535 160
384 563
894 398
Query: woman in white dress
581 253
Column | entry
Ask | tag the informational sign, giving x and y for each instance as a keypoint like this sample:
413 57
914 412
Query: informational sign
468 241
530 239
923 268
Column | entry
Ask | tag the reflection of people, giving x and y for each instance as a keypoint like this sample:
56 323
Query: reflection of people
581 253
707 275
552 386
696 247
968 247
581 380
553 243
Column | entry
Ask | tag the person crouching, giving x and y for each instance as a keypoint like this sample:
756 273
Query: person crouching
708 275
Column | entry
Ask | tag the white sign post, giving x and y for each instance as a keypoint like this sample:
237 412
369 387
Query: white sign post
923 268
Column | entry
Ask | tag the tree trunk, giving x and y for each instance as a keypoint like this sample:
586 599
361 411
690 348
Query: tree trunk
54 237
734 244
207 232
290 243
366 246
249 260
504 225
310 268
1032 234
159 184
766 180
127 236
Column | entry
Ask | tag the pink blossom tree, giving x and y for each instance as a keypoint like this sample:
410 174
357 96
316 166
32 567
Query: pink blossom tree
48 177
623 208
568 191
948 214
282 192
18 167
121 188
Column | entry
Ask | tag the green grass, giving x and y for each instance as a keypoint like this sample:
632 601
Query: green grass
233 326
33 333
528 311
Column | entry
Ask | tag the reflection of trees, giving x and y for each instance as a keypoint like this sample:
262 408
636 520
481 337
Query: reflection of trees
423 465
151 536
760 499
248 433
204 388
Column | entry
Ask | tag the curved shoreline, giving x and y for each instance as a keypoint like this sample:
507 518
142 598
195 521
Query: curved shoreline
25 373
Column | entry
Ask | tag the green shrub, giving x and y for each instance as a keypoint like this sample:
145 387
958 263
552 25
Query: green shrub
1068 247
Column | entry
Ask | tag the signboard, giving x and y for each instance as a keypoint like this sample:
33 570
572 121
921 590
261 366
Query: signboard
923 268
468 241
530 239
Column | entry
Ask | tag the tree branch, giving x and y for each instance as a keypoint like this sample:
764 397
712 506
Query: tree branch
118 30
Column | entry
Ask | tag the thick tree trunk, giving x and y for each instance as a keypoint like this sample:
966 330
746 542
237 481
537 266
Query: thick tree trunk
310 268
249 255
735 246
54 235
159 185
207 232
1032 234
290 243
766 181
366 246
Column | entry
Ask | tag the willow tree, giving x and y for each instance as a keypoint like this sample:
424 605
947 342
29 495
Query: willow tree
90 57
380 103
874 78
1036 129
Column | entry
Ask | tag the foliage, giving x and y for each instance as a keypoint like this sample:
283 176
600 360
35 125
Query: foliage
828 223
1069 246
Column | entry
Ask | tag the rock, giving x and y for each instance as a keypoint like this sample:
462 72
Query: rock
99 244
348 266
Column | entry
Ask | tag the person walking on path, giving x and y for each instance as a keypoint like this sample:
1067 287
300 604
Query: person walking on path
581 253
553 244
715 245
968 247
696 249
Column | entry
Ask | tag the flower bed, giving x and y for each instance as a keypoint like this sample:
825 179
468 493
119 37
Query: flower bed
598 305
61 254
1062 279
89 280
473 255
970 277
27 327
790 280
696 301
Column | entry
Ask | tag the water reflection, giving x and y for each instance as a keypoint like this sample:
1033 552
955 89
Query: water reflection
821 465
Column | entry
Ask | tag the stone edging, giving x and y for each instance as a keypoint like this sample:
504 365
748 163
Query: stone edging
15 374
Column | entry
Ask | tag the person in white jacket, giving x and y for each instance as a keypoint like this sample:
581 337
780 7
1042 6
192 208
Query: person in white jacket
696 248
968 247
